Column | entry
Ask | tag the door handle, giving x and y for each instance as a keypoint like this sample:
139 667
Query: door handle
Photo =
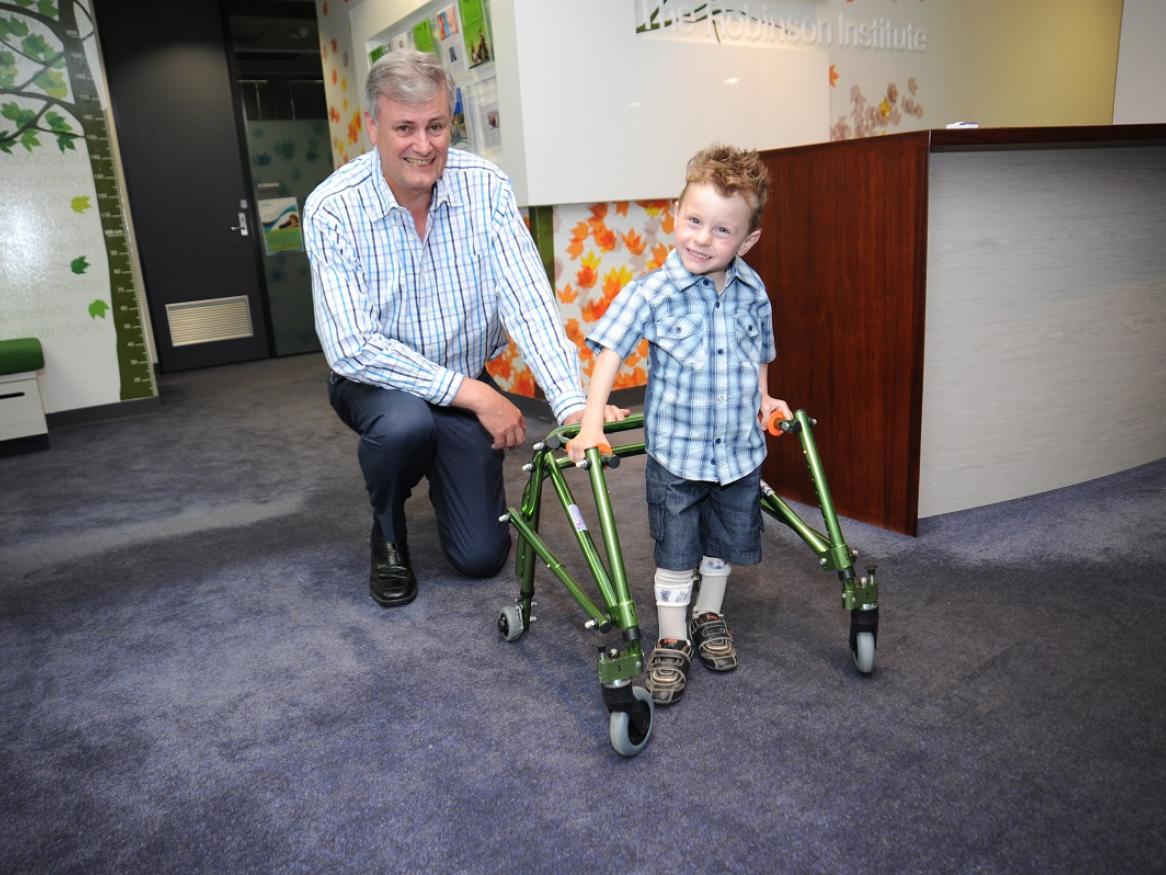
242 226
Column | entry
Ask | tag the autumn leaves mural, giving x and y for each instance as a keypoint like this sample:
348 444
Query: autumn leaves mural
599 248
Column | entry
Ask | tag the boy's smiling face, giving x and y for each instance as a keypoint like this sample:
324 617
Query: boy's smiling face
711 230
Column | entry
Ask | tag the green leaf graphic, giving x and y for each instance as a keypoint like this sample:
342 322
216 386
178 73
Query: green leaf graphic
35 47
57 122
52 83
79 264
80 203
7 69
13 27
98 308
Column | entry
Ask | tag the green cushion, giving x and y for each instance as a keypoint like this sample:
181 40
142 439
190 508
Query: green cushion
21 354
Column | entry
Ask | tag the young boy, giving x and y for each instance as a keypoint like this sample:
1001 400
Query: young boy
707 319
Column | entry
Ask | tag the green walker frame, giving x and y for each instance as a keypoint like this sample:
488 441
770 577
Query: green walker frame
631 708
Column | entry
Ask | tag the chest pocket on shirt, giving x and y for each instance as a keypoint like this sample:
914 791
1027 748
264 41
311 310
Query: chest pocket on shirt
682 339
748 338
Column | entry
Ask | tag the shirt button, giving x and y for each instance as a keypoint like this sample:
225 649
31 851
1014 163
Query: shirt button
717 441
717 305
720 352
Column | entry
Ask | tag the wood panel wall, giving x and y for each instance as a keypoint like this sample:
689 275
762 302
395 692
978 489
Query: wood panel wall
843 254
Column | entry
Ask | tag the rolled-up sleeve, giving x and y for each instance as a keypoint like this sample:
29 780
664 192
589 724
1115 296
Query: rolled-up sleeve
529 310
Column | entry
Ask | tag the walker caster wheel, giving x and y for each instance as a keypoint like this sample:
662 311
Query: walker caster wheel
630 731
864 630
864 652
510 624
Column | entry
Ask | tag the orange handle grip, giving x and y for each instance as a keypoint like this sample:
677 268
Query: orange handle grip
604 448
774 425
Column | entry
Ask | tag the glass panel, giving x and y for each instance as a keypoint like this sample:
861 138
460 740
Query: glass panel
281 82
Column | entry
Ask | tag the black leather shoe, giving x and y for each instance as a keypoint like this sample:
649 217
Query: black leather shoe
391 582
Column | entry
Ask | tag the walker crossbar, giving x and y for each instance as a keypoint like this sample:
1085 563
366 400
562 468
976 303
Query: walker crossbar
631 707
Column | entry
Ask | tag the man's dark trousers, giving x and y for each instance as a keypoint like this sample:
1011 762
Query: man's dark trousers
404 438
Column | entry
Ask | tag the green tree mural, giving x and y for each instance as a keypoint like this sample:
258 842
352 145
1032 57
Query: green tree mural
48 96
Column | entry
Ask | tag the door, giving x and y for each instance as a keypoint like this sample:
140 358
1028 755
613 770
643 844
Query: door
276 61
177 123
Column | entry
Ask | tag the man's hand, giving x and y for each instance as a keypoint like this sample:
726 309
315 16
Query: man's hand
498 415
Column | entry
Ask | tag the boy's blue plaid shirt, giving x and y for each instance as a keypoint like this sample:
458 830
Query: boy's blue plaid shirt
395 311
700 410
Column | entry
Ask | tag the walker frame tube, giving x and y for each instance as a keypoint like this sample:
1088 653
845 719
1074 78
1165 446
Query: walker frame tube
618 667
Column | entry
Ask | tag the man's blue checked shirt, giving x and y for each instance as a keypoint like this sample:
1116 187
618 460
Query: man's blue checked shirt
421 315
700 410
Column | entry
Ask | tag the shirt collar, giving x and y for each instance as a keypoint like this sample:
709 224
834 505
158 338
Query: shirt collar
385 201
682 278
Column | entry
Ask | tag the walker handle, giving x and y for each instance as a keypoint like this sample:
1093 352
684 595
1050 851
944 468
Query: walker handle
774 425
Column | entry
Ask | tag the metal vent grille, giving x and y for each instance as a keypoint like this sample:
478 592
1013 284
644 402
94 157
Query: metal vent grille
208 321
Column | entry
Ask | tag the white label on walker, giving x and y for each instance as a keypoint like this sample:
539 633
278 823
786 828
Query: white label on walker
577 517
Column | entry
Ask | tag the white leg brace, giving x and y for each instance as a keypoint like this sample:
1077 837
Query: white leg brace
673 593
714 575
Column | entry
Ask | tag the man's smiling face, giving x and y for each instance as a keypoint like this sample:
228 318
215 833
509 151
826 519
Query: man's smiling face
413 142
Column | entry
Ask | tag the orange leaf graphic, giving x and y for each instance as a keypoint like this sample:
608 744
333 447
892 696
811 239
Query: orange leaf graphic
659 255
594 309
605 238
567 294
598 212
634 242
667 222
653 208
580 231
574 248
586 277
833 77
615 280
524 383
621 208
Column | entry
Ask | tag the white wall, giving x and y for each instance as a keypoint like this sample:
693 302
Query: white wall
1046 321
591 112
610 115
1141 64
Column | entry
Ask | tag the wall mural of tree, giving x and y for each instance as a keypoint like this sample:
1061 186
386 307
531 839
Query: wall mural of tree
50 100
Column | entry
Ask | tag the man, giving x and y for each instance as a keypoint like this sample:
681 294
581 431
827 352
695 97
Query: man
419 260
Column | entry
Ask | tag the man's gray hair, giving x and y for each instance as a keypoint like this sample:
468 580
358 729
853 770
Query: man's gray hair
407 76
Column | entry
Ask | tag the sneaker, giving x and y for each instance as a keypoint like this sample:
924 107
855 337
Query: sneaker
713 640
668 670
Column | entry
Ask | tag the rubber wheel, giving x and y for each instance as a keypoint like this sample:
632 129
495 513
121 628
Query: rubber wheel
510 623
864 652
629 736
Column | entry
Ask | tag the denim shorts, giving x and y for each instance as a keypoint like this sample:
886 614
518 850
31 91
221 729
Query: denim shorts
689 519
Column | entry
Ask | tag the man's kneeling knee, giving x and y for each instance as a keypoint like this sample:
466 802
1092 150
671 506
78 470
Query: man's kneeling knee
483 559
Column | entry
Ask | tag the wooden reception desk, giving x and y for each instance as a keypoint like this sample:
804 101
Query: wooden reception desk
972 315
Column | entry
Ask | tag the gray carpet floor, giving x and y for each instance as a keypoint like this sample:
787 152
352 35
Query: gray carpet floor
194 679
